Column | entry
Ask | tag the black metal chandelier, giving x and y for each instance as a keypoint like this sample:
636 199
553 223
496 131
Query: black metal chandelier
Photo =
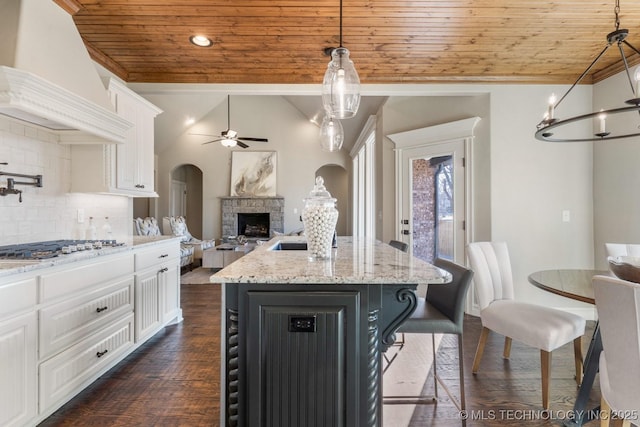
546 127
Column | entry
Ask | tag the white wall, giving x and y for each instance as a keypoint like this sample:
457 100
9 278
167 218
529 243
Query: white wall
290 134
50 212
532 182
521 185
616 172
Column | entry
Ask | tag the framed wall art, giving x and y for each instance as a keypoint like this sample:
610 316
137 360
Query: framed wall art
253 173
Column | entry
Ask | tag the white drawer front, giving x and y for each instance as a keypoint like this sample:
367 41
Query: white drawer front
17 296
157 254
78 278
68 322
70 371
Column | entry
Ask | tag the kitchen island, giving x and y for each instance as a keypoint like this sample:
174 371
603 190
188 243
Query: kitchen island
302 340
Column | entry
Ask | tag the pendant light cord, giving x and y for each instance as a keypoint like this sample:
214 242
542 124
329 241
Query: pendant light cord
341 23
228 112
616 10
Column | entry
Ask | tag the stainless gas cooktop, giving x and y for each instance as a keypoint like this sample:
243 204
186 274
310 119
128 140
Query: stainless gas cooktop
51 248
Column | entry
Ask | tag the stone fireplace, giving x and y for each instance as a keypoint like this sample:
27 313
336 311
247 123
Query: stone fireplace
232 206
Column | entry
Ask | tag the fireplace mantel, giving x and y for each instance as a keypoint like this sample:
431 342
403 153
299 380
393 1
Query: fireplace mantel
231 206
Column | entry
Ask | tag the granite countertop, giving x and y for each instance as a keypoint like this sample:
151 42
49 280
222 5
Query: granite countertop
10 267
354 261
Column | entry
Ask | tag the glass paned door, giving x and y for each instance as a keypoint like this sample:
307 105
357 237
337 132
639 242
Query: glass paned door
433 201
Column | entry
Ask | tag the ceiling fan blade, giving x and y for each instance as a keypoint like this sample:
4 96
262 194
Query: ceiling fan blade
201 134
242 144
213 140
254 139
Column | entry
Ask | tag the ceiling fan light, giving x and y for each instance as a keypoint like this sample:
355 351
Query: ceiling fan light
341 86
331 134
227 142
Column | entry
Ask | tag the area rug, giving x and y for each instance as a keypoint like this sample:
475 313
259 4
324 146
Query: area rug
197 276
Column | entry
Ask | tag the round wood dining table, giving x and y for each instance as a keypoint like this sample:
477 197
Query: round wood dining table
576 285
573 284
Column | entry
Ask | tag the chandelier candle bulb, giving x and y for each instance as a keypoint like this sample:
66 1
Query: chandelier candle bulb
552 101
603 127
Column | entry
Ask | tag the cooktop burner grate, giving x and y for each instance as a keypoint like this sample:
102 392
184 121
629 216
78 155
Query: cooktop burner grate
50 249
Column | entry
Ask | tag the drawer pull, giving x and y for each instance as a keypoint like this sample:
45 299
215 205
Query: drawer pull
101 309
162 270
102 353
163 256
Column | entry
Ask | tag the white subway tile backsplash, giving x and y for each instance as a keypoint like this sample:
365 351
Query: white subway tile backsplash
50 212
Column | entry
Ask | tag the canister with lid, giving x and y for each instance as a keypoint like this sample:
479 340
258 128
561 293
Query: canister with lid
319 217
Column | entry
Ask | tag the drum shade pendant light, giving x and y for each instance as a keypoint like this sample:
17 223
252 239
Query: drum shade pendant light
331 134
341 84
550 124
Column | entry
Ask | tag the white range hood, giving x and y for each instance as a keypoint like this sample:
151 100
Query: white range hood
48 79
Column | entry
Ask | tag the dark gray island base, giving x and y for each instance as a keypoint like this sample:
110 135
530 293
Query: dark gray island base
303 341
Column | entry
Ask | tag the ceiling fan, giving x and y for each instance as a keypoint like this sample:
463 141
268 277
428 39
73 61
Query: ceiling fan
229 137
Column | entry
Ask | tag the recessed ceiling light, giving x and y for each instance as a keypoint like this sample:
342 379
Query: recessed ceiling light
201 41
189 121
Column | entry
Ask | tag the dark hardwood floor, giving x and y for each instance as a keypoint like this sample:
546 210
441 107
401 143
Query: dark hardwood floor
173 380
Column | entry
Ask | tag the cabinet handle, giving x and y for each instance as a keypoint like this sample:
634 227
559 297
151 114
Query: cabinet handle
139 185
102 353
101 309
162 270
163 256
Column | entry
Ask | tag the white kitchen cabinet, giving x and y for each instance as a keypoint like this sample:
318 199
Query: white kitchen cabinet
170 291
18 351
120 168
85 324
62 327
18 367
134 166
67 373
148 314
69 321
157 282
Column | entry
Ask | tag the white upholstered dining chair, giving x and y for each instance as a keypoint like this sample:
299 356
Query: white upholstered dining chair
535 325
622 249
618 306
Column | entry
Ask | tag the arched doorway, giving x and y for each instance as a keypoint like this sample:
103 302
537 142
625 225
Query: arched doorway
336 179
185 196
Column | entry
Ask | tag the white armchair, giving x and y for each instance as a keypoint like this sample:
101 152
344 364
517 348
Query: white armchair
149 227
177 226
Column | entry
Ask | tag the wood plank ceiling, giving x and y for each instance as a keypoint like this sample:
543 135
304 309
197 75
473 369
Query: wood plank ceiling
391 41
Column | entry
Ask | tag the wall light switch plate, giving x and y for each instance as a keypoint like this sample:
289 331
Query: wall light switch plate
566 216
80 216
